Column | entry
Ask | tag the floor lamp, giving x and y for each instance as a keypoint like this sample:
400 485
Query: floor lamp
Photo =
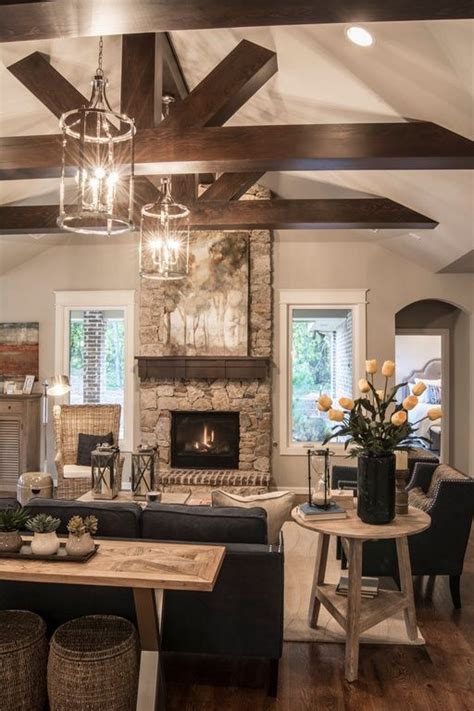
54 387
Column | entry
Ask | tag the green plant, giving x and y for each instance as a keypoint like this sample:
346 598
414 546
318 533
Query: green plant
43 523
13 519
76 526
376 424
91 525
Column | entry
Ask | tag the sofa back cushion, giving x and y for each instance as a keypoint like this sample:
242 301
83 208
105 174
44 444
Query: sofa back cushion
8 503
203 524
116 520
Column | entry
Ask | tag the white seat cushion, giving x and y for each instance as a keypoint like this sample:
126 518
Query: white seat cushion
277 504
76 471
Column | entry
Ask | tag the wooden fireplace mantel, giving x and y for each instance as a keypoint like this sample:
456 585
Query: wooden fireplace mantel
229 367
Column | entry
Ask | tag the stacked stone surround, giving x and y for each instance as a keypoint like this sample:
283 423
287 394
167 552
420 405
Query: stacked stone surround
251 398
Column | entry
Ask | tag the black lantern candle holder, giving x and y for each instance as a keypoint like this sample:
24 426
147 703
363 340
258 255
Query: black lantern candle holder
322 495
143 471
105 472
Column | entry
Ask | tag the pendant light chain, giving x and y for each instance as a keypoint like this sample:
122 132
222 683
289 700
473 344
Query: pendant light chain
100 70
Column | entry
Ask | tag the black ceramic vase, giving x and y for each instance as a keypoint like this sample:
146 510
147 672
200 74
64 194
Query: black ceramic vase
376 489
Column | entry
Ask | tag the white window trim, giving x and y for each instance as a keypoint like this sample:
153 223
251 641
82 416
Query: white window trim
354 299
67 301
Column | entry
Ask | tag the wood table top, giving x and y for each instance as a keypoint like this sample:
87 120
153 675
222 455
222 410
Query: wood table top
352 526
130 564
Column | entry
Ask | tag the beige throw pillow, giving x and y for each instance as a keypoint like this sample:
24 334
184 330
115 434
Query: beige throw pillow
277 504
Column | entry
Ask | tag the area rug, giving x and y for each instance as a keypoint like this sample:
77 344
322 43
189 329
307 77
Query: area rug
300 555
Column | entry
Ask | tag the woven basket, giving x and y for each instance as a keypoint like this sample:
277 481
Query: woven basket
23 657
93 665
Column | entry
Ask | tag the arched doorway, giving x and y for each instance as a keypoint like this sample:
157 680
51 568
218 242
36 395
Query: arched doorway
432 344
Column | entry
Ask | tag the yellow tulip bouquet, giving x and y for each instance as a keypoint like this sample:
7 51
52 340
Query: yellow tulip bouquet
375 424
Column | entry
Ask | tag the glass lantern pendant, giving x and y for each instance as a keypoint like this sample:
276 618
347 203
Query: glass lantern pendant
164 237
96 189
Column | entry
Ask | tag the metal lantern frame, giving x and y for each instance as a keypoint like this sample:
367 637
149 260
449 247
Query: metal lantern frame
98 150
164 237
326 454
143 471
105 472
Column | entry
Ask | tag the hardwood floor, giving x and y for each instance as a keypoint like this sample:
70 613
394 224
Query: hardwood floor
438 676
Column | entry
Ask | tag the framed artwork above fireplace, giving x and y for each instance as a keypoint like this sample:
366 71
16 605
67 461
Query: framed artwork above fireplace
208 313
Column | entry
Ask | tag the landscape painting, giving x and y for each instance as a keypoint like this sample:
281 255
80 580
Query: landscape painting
207 313
19 350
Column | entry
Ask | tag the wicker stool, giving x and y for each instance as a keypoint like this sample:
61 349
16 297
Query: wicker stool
23 657
93 665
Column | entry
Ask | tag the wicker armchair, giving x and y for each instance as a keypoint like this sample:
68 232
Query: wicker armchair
70 420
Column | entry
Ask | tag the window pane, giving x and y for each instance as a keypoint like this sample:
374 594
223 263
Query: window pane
321 362
96 357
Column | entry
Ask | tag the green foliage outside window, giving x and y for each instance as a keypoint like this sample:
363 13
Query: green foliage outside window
311 375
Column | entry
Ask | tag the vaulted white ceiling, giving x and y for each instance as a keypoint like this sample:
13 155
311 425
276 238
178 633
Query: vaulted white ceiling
419 70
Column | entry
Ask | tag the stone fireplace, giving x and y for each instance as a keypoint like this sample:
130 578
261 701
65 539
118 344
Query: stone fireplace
244 399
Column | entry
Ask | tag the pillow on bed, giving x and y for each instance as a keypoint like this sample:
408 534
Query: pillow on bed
434 394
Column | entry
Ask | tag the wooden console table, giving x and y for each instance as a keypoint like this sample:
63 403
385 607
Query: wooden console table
354 614
147 568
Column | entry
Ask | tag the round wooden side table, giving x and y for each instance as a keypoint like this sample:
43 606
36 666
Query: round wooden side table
354 614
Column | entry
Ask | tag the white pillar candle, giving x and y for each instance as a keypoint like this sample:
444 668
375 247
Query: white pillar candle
401 461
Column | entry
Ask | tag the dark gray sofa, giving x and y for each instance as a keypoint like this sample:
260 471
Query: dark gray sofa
243 616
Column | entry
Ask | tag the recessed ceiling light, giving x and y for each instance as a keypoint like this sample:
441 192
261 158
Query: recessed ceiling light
359 36
413 235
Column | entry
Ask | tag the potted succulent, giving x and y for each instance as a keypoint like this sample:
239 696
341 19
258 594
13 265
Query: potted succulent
11 522
45 540
376 426
81 530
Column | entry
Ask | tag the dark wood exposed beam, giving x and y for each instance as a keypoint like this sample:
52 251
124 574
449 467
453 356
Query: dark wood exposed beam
376 213
230 186
226 88
47 84
141 86
242 149
77 18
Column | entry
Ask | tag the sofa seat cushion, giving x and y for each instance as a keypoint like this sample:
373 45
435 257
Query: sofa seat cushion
418 499
203 524
442 472
277 504
77 471
116 520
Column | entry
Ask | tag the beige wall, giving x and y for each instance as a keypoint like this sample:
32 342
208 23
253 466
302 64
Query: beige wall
26 293
393 283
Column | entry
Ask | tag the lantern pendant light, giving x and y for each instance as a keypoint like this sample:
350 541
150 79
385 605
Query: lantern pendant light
164 237
164 233
96 188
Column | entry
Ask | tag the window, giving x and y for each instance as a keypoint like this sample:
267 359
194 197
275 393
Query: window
94 347
322 351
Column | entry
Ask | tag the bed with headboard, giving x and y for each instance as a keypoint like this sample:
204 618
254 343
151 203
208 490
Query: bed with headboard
430 374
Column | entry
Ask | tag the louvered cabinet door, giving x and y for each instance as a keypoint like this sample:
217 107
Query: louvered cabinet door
10 452
19 438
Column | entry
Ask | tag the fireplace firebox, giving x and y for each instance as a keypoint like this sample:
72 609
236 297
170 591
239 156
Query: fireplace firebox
205 440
